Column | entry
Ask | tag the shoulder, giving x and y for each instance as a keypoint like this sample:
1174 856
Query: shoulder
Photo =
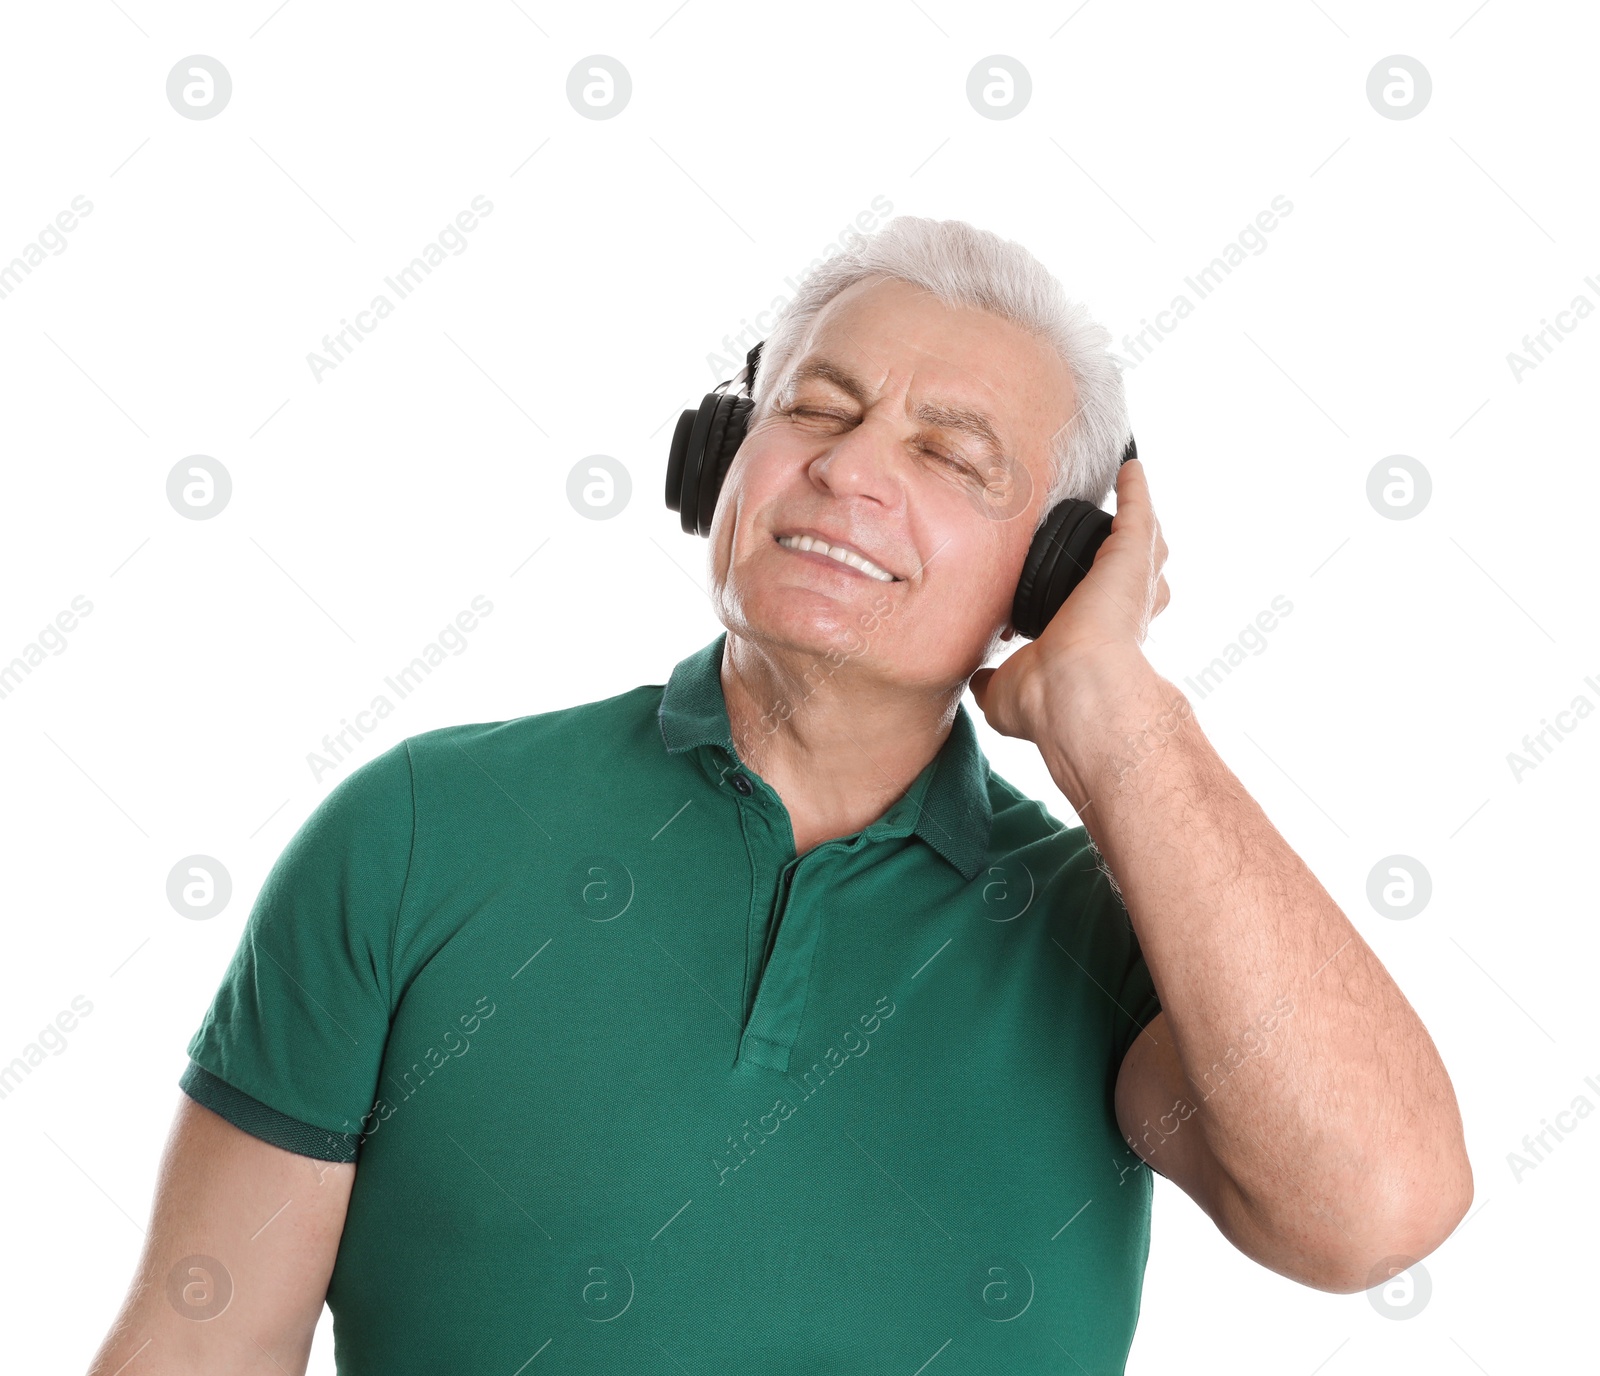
454 796
1025 826
1060 861
588 734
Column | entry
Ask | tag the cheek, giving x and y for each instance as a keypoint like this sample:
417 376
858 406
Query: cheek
732 501
980 554
971 579
764 476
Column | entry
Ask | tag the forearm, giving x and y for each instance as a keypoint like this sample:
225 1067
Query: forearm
1317 1089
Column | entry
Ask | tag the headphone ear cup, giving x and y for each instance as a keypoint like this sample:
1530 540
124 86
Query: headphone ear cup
677 460
729 423
703 445
1058 560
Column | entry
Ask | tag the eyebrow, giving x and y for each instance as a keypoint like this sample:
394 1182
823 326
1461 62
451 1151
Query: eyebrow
965 420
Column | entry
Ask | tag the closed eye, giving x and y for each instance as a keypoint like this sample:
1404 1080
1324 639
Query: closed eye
960 465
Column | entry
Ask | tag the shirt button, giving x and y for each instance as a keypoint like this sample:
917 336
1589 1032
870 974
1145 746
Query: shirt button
743 785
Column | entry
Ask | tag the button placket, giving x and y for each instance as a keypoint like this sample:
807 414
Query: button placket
775 918
785 976
768 842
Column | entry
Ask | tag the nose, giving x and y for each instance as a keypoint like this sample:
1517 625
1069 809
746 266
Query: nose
864 462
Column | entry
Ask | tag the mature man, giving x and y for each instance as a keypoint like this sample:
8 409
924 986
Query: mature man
750 1021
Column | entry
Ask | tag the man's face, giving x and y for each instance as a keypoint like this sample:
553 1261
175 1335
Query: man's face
874 440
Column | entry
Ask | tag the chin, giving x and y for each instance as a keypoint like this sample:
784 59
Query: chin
805 620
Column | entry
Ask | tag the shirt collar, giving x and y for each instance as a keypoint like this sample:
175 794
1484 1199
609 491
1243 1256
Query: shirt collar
950 798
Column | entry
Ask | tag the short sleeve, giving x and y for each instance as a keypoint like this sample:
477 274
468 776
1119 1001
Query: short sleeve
1137 1001
1129 982
1112 995
292 1043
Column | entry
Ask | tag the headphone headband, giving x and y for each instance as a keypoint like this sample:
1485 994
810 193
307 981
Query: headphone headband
747 375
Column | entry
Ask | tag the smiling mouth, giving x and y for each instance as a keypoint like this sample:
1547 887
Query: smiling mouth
809 544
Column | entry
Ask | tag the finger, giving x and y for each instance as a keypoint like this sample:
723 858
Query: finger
1163 596
1133 501
979 683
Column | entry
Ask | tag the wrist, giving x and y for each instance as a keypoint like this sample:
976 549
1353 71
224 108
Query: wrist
1109 716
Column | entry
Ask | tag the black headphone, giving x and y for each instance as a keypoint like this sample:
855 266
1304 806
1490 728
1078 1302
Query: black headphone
708 437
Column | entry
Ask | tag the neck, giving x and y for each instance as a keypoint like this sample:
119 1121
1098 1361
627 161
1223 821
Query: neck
837 744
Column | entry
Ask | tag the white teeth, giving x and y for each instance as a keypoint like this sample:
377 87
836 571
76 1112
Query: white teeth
844 556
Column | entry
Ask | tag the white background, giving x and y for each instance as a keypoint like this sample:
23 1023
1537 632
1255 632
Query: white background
369 507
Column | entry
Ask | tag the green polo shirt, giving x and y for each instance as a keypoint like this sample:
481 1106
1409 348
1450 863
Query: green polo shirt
632 1088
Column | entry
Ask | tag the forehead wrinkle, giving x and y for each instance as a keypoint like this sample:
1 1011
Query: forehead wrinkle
994 392
987 386
828 371
967 420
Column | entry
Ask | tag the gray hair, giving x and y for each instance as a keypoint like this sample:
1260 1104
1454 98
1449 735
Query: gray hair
965 266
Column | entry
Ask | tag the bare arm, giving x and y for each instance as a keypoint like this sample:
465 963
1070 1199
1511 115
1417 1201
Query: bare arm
263 1226
1288 1086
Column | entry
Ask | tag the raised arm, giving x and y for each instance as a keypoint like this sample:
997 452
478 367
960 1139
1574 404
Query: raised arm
1336 1153
242 1241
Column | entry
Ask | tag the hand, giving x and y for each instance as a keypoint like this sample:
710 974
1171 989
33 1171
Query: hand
1094 640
